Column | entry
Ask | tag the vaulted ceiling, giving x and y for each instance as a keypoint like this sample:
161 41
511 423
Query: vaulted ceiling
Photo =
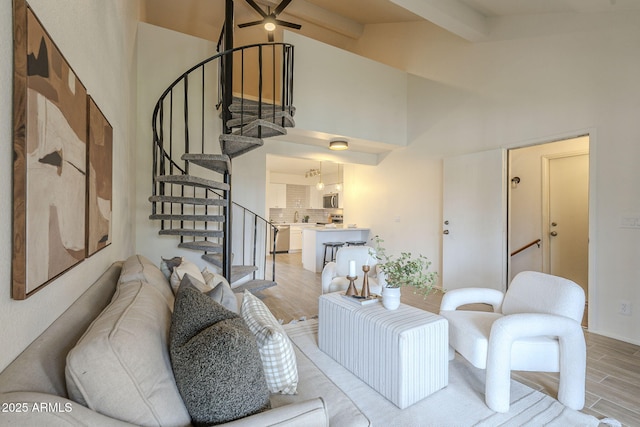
327 19
341 22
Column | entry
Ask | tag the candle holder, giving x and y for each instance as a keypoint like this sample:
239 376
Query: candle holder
365 282
351 290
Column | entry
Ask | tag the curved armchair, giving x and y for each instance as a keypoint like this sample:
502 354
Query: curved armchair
535 326
334 274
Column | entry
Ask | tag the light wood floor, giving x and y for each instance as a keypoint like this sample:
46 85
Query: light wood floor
613 367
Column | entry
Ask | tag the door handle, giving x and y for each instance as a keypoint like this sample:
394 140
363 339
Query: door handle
445 232
554 233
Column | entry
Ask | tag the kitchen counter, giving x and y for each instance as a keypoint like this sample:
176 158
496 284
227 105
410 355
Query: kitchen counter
321 228
314 237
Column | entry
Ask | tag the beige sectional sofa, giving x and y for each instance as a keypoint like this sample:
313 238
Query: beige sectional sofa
119 371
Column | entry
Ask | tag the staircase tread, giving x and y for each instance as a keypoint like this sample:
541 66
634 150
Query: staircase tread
263 127
236 145
203 245
253 286
243 104
237 271
244 119
191 232
195 181
189 200
215 162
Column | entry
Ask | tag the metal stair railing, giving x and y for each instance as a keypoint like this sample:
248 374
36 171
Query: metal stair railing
182 123
166 148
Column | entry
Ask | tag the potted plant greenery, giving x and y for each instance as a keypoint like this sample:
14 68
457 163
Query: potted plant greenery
404 270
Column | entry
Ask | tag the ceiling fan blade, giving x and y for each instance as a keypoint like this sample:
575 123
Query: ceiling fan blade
249 24
288 24
257 8
281 6
270 36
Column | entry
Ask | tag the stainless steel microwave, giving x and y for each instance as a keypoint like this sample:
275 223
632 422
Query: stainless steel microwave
330 200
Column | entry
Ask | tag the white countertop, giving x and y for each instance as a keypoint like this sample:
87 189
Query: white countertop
337 228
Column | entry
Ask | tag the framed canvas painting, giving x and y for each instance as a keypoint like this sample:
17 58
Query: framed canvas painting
50 133
99 178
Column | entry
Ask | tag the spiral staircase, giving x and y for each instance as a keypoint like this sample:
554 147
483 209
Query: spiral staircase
219 109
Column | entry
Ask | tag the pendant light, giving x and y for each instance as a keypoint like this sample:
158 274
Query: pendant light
320 184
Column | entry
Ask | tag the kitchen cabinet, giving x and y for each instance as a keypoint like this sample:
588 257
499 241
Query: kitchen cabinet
277 195
315 197
295 239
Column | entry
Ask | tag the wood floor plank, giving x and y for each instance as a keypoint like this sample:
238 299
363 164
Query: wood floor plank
609 409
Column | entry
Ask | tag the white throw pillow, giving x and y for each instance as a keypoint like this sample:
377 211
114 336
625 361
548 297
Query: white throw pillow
276 350
120 367
187 267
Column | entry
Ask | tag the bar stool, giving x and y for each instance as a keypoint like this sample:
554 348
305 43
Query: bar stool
356 243
334 248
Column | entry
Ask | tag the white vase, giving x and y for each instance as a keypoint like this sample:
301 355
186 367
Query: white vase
391 298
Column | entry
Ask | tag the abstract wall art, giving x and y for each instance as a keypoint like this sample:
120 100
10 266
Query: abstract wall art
99 177
50 158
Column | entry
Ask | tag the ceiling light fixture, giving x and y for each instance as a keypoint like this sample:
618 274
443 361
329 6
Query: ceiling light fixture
311 173
338 144
269 23
320 184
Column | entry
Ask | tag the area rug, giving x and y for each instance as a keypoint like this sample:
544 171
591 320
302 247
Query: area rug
460 404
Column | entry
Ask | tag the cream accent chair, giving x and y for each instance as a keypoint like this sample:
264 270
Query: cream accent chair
535 326
334 273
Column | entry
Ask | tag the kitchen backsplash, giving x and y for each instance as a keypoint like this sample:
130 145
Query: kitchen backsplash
298 201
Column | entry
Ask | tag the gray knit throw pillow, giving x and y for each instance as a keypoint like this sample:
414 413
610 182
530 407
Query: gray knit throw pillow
215 360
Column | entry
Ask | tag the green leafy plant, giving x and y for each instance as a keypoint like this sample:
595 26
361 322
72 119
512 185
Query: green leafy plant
405 270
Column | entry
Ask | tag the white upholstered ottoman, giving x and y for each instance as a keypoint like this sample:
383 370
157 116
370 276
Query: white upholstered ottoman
402 354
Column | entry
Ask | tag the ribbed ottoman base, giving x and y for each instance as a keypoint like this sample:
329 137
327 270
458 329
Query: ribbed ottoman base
402 354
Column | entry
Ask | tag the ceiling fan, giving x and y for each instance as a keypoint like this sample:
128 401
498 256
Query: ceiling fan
269 18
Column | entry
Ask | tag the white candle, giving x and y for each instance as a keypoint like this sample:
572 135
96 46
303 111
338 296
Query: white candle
352 268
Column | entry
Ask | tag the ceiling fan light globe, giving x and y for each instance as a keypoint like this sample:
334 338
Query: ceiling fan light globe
269 26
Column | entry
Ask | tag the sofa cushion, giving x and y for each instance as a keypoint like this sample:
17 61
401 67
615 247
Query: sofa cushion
120 367
215 360
187 267
220 291
276 350
139 268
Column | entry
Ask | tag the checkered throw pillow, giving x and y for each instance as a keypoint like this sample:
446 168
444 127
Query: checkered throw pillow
276 350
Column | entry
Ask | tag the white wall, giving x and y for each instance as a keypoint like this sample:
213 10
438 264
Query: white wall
98 40
340 93
536 79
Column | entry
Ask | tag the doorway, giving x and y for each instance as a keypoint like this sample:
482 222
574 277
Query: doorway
548 204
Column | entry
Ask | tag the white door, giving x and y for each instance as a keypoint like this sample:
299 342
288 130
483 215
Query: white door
568 218
474 216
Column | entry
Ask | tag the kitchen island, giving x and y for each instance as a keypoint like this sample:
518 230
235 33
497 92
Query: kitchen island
314 237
